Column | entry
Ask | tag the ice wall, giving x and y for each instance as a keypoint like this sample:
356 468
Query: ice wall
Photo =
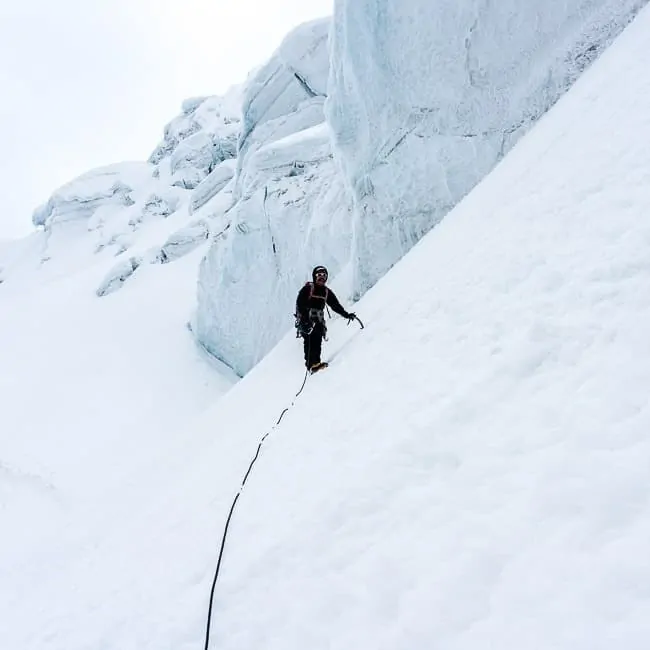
426 97
291 210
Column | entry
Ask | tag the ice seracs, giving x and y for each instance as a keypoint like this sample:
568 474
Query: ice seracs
426 97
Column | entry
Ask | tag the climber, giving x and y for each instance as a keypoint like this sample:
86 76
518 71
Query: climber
310 316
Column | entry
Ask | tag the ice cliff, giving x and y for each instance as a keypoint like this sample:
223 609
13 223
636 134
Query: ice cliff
426 97
291 209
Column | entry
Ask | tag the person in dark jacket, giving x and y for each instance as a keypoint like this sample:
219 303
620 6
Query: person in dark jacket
310 315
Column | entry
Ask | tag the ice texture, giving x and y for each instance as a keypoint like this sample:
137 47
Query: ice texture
297 72
295 211
118 210
118 275
217 116
290 210
426 97
212 184
80 198
340 151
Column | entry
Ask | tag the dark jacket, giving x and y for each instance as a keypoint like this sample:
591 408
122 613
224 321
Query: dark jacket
312 299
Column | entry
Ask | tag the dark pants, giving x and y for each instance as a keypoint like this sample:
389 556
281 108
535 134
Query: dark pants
312 344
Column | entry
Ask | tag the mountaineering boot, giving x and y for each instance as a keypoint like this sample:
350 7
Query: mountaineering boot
317 366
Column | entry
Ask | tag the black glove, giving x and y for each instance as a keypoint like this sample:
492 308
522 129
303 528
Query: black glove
350 316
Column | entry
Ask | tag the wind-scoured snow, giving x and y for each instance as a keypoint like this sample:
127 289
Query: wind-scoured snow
425 98
470 472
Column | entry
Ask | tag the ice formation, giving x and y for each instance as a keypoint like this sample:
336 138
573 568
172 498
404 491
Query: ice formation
426 97
351 142
290 210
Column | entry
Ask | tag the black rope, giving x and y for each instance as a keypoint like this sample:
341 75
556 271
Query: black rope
216 573
304 381
243 483
234 503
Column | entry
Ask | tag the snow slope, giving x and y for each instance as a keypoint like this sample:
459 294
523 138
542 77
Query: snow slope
425 98
472 470
93 390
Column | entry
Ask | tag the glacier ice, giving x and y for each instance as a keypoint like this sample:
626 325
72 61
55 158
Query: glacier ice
290 212
425 98
295 212
216 116
212 184
80 198
183 241
277 97
118 275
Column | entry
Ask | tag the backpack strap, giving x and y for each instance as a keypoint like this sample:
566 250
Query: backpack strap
311 293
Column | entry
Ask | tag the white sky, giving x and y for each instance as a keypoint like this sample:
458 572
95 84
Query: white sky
85 83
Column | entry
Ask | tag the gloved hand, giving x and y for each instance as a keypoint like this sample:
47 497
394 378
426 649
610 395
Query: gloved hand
350 316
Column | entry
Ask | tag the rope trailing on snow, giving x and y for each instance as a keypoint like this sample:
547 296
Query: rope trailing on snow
241 487
234 503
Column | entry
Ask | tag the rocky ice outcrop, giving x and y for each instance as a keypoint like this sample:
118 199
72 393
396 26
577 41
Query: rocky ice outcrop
217 116
290 211
122 207
106 186
212 184
183 241
425 98
105 206
287 93
118 275
199 139
296 213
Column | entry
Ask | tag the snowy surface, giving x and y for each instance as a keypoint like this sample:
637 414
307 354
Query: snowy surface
424 99
471 472
94 393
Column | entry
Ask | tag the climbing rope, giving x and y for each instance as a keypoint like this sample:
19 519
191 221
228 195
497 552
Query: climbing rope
241 487
234 503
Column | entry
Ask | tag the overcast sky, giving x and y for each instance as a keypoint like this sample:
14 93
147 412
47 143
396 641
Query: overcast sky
85 83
